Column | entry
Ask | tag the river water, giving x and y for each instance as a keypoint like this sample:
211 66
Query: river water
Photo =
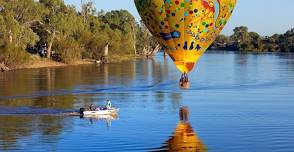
237 102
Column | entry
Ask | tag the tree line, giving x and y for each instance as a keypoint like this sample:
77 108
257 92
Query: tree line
243 40
57 31
51 29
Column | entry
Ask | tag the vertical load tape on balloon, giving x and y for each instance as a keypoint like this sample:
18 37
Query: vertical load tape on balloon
185 28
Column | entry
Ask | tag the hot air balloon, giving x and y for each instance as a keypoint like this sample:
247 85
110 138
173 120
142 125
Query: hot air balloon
185 28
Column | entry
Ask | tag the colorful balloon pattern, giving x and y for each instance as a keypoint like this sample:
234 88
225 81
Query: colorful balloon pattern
186 28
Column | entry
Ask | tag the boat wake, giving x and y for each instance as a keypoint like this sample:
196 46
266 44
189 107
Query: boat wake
34 111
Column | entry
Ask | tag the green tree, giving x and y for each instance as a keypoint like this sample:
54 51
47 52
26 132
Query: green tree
256 41
15 34
88 9
123 23
146 42
50 27
242 38
286 41
53 21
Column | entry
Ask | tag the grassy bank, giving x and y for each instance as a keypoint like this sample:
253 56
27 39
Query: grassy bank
43 63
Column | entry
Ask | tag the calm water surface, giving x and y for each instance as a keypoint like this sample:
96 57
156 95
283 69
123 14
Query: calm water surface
238 102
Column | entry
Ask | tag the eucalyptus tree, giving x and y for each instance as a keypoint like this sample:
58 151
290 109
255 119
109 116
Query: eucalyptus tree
146 42
15 32
241 38
123 22
88 9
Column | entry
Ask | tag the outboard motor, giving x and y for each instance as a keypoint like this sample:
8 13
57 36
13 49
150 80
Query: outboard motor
82 111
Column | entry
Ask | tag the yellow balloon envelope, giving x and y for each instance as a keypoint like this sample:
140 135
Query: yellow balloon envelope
186 28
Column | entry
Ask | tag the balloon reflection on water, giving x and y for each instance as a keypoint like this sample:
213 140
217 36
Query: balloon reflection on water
184 138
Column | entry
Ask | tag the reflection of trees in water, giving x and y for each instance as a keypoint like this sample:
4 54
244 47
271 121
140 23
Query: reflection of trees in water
60 102
288 56
47 81
165 67
241 58
144 68
13 128
16 81
27 82
161 96
240 68
136 74
151 70
157 71
269 66
176 98
287 64
18 127
113 73
160 70
23 126
105 71
40 84
55 102
122 73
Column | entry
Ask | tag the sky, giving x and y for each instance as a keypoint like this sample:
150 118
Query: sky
265 17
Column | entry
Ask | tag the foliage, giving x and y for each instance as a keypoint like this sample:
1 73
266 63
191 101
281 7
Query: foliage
12 55
68 50
58 31
146 42
242 40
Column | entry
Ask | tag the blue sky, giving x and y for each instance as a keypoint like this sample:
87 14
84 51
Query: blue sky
263 16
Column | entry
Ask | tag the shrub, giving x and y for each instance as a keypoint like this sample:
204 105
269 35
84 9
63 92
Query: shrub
13 56
68 51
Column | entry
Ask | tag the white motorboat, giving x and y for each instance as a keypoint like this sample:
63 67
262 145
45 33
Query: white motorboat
97 112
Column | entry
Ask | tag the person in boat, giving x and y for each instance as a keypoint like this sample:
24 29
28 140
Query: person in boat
97 108
108 105
94 108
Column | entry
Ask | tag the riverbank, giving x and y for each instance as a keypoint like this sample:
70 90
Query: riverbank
38 62
45 63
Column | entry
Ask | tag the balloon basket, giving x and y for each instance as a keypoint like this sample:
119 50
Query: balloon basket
184 85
